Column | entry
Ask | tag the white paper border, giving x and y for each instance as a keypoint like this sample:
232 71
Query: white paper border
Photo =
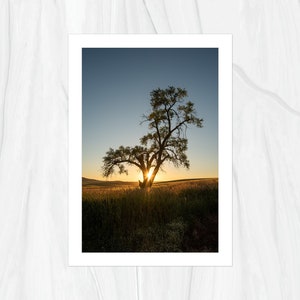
224 43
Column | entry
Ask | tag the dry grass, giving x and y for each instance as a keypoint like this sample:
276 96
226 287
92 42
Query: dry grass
176 216
97 190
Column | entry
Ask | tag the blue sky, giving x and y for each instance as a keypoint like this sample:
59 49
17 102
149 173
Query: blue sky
116 84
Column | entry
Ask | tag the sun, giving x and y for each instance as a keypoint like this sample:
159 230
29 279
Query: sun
149 174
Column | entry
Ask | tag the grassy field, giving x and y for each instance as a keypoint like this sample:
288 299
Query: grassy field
175 216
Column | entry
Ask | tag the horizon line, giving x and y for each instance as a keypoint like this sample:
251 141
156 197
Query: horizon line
154 181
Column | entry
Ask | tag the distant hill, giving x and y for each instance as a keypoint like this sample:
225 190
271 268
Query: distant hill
86 182
95 182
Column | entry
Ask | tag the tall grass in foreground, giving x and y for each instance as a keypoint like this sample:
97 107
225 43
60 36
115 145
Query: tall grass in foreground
167 219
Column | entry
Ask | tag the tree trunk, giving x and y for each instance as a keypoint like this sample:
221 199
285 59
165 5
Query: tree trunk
147 182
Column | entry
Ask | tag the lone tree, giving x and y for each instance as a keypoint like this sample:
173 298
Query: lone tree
166 140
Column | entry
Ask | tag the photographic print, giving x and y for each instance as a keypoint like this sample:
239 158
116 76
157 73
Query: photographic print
150 150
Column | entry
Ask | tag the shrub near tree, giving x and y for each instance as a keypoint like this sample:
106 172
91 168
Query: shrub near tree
165 142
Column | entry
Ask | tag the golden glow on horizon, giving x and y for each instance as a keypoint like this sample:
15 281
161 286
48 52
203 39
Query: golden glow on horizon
168 173
161 176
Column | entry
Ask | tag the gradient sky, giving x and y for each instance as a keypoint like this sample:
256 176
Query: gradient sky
116 84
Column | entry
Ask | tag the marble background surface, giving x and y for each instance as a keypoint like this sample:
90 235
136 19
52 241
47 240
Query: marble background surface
34 149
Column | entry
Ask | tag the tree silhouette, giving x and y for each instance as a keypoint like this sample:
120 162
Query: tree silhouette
166 140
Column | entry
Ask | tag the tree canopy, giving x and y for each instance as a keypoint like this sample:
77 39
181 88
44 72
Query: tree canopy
165 141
